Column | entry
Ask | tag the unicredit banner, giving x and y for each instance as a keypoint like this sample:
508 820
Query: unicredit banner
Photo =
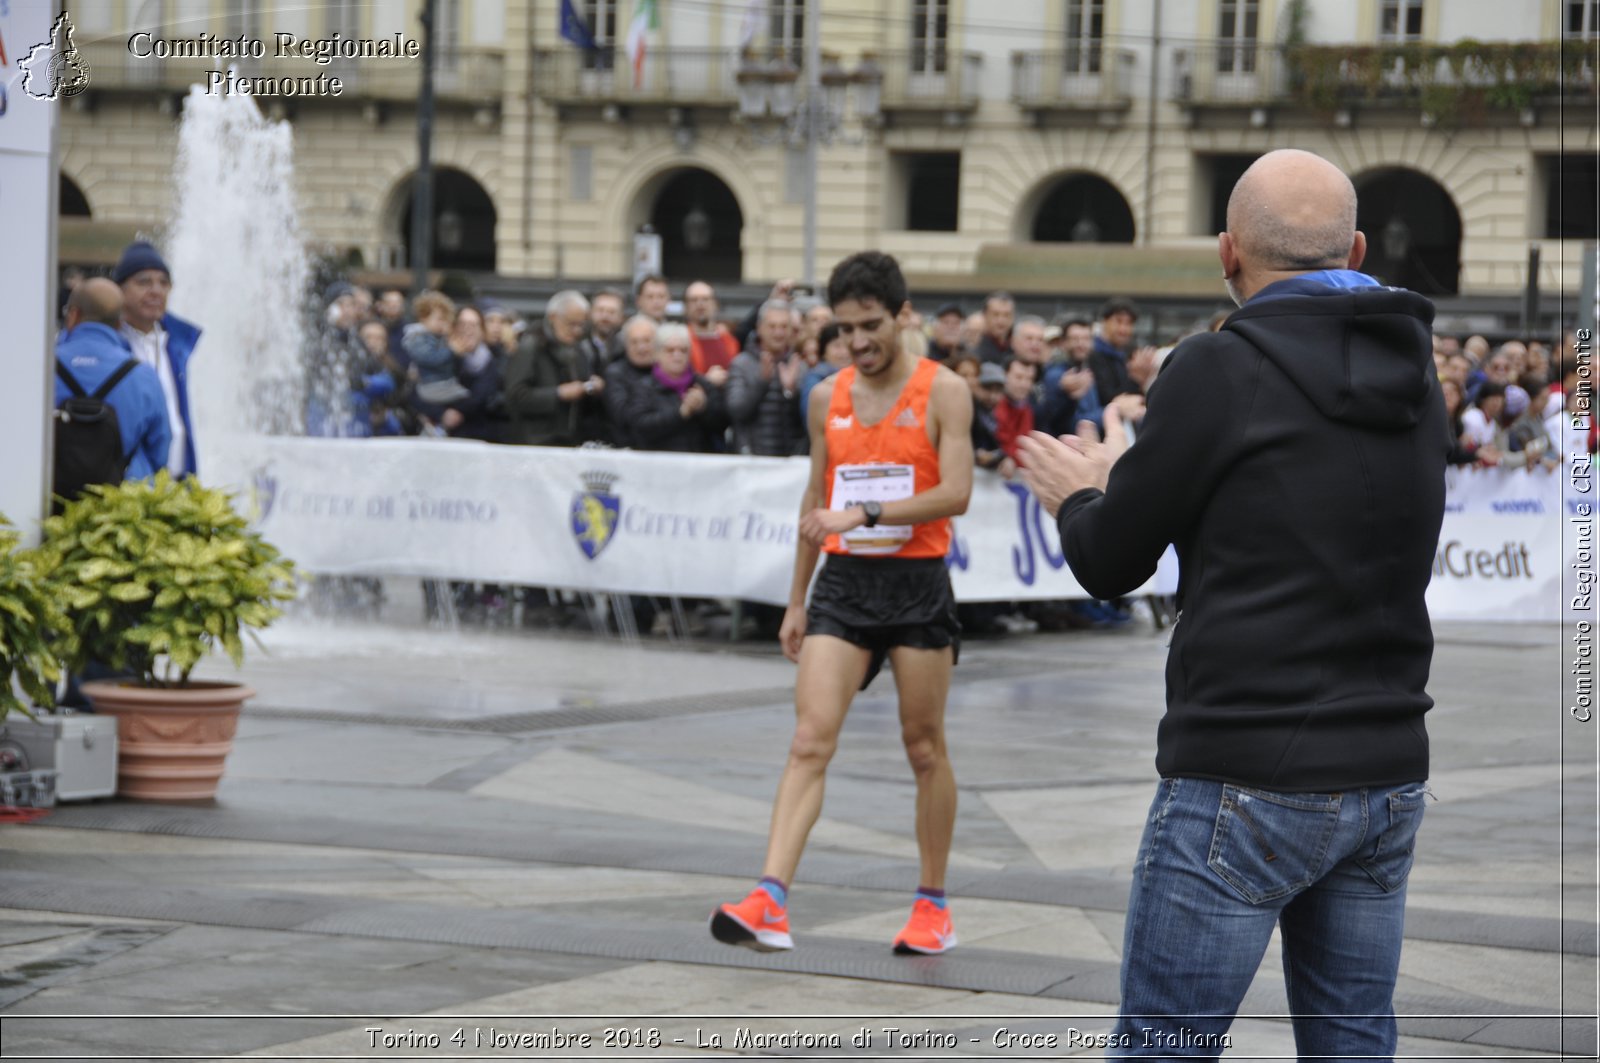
724 526
1509 539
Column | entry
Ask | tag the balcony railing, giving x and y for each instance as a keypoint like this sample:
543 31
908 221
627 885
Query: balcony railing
930 80
1456 80
1093 77
460 74
670 76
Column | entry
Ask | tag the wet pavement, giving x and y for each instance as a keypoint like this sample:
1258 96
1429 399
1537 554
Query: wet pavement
451 845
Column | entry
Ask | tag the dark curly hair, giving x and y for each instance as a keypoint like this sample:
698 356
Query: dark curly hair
868 275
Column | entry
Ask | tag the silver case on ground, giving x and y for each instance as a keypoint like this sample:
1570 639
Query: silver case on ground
80 748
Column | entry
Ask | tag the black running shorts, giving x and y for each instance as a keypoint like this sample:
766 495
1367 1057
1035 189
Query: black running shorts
878 603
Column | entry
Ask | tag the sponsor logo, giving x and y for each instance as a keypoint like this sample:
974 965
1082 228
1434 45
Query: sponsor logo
1459 560
55 69
1518 505
772 918
1037 538
841 422
907 419
263 494
593 517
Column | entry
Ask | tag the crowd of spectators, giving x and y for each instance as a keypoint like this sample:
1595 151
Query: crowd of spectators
1509 404
587 371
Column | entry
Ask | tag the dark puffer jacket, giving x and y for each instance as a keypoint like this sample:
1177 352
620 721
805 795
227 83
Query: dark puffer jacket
766 419
540 365
654 413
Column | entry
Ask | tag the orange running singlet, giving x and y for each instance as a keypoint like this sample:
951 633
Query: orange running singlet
884 462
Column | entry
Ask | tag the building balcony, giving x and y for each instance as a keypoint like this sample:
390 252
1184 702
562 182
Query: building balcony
929 80
1088 79
1467 83
461 75
668 77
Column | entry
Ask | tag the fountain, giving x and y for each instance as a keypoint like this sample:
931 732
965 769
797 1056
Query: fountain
240 272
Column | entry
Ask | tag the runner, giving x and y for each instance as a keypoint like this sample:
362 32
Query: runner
891 463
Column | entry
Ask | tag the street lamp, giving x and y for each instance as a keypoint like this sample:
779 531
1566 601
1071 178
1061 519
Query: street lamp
422 183
816 117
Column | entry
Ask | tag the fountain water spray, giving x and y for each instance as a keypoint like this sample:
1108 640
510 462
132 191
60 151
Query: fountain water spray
240 272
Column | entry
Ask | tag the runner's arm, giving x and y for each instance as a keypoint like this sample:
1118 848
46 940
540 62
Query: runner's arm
806 552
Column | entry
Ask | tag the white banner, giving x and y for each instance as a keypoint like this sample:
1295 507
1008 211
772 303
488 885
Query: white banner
600 520
1512 543
724 526
1473 491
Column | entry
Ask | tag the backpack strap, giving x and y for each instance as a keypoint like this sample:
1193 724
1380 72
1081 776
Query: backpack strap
114 379
70 380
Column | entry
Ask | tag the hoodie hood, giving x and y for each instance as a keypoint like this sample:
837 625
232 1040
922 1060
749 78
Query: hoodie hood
1363 356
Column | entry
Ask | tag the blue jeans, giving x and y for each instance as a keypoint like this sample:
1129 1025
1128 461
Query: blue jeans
1220 866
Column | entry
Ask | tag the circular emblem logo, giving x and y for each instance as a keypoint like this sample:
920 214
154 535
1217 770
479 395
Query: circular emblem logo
69 74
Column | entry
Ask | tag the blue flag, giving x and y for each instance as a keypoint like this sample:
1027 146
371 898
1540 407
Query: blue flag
574 28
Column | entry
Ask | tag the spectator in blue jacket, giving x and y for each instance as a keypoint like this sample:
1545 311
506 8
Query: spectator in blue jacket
833 354
162 341
91 350
1070 395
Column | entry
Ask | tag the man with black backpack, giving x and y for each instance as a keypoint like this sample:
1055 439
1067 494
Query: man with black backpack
111 416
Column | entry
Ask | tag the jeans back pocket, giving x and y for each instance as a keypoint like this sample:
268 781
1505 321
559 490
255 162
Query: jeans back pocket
1395 847
1269 845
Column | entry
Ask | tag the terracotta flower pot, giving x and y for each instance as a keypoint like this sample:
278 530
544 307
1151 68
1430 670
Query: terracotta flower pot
172 741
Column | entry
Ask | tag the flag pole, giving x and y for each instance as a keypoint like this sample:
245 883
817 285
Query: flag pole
422 183
812 118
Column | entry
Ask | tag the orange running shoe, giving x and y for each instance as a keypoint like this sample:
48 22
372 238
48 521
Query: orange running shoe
928 932
757 922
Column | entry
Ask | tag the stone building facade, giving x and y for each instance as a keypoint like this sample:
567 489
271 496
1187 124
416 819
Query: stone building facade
1070 145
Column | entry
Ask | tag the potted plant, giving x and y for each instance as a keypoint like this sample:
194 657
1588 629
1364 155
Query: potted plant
33 629
154 576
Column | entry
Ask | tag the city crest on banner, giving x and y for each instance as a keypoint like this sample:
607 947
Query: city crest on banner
263 494
594 513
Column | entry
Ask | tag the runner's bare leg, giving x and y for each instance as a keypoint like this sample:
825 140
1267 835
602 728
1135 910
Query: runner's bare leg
831 671
922 678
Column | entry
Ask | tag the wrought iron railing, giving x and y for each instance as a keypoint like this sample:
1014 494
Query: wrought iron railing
697 76
1459 80
929 79
1092 76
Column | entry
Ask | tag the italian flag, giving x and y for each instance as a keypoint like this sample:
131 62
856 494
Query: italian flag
644 23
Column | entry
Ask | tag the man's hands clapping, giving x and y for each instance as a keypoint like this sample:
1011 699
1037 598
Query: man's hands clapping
1055 469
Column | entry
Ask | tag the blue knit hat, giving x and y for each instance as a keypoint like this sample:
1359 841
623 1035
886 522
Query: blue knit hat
136 257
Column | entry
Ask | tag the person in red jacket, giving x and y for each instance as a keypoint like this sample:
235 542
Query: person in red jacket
1015 412
715 347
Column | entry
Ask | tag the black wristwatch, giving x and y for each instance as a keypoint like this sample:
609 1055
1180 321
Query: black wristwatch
873 510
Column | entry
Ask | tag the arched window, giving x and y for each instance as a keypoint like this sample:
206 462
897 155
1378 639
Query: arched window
1082 208
700 225
1413 230
463 222
73 203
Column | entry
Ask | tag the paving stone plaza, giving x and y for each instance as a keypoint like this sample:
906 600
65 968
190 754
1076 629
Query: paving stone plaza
520 837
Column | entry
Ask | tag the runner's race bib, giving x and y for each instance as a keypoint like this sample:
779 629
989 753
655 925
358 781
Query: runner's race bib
855 484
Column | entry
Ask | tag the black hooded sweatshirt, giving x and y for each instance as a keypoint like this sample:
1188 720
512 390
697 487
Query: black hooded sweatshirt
1296 460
